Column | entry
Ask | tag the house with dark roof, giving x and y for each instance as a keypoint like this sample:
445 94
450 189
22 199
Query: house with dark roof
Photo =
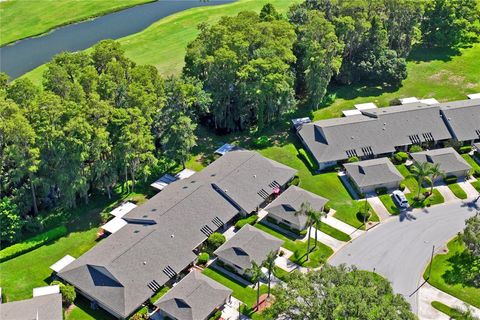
463 119
285 207
449 161
374 133
195 297
248 245
42 307
162 236
369 175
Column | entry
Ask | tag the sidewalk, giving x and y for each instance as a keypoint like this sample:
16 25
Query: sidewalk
379 208
342 226
446 193
471 192
328 240
428 293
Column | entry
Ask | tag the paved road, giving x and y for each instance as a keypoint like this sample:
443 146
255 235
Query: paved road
400 248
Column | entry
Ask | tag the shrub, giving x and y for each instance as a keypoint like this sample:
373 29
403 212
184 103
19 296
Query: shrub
260 142
380 191
326 208
229 268
32 243
465 149
67 291
353 159
203 258
415 148
295 181
216 315
249 220
476 173
450 179
215 240
401 187
281 253
400 157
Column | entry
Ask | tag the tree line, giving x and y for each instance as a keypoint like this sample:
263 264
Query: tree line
100 120
258 66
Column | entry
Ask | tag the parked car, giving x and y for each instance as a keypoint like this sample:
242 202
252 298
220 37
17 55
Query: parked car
400 199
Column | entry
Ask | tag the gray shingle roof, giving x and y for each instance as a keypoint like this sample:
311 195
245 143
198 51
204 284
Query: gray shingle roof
373 172
247 245
463 117
289 202
120 271
194 297
448 158
376 131
47 307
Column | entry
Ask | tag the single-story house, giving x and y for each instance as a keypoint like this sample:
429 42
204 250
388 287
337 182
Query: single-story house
195 297
285 207
463 119
43 306
450 162
369 175
161 236
374 133
248 245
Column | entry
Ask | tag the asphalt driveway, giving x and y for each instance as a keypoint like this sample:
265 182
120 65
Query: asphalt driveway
400 248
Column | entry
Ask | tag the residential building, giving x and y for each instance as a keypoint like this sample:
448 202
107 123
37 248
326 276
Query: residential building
377 132
45 305
248 245
284 209
449 161
369 175
162 236
195 297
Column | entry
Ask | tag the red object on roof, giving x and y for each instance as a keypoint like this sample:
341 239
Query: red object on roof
276 191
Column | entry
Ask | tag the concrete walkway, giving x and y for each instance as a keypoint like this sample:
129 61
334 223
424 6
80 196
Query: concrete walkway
284 263
342 226
328 240
379 208
471 192
428 293
446 193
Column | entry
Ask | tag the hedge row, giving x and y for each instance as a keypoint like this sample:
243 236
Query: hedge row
249 220
32 243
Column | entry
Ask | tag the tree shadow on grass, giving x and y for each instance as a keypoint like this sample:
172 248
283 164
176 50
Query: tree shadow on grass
423 54
464 268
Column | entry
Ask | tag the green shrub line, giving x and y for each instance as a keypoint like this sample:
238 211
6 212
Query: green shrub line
248 220
32 243
476 185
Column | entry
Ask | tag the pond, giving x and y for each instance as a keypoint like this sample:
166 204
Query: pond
25 55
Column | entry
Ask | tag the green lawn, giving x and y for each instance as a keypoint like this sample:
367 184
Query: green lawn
26 18
476 185
458 191
435 198
163 43
318 255
389 204
20 275
448 273
449 311
409 181
437 73
83 311
335 233
240 291
471 161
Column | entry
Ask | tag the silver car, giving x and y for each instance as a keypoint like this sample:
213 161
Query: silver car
400 199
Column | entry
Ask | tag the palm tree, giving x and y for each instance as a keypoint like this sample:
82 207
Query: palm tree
435 172
420 171
256 274
316 217
305 210
269 264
